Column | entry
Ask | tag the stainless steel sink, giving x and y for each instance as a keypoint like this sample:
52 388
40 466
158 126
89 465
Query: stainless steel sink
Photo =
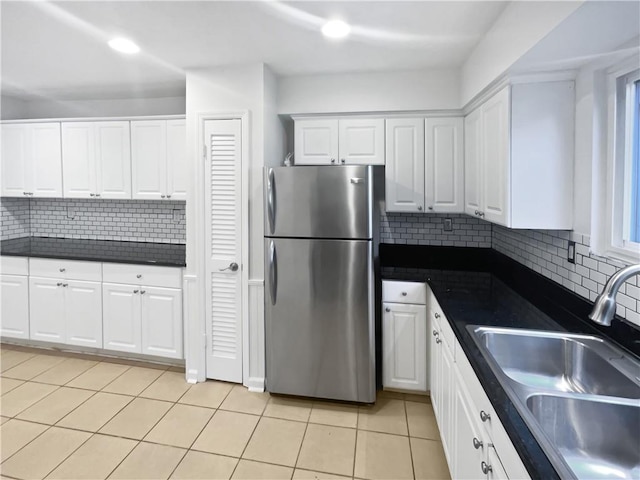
579 395
590 448
579 364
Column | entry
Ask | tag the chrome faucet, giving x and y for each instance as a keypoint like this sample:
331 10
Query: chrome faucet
605 306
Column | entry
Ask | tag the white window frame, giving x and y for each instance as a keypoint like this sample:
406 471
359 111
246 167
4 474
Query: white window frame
621 98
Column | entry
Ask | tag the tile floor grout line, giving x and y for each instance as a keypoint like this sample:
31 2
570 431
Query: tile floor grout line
406 415
36 375
304 435
72 410
110 418
138 442
250 436
64 361
65 458
14 453
18 413
17 364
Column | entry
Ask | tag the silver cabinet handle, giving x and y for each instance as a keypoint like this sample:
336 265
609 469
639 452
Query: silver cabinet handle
430 207
435 333
59 284
92 194
342 160
387 309
438 340
273 272
484 416
168 196
482 215
437 315
404 294
477 212
142 292
65 284
163 196
271 199
420 207
477 444
485 467
62 270
233 266
333 160
139 275
136 291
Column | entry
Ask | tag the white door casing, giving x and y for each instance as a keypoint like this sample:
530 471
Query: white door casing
223 248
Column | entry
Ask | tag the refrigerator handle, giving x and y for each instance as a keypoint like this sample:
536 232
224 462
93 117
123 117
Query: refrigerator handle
273 272
271 199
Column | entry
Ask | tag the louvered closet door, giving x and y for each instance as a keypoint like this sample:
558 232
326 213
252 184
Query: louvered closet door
223 194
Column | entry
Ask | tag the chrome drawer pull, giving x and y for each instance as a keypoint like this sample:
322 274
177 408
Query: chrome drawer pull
484 416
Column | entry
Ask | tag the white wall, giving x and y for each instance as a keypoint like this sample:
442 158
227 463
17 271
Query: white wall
12 108
521 26
370 92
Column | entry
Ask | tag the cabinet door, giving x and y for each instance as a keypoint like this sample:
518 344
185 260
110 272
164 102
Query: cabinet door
176 160
113 159
316 142
404 171
497 471
444 181
83 313
45 166
473 163
46 309
447 379
121 317
404 337
162 321
14 311
466 436
361 141
79 159
496 175
149 159
14 160
435 376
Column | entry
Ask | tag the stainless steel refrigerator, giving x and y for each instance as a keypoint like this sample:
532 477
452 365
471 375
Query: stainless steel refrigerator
322 296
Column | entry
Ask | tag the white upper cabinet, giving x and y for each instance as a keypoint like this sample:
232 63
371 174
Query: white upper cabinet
31 160
158 159
348 141
519 156
444 165
96 159
361 141
404 171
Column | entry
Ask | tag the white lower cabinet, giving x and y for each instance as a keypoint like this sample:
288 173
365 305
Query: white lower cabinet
46 307
404 336
14 311
474 441
121 317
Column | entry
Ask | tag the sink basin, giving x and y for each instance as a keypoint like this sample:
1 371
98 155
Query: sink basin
562 363
609 448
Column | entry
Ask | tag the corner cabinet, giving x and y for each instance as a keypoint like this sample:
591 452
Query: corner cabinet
344 141
519 156
31 160
404 336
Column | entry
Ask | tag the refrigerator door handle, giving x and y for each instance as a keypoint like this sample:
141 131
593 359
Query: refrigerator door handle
273 272
271 199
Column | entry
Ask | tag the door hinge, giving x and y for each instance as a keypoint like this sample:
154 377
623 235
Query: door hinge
204 152
204 340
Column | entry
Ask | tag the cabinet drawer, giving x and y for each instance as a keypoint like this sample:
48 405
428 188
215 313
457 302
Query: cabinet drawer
14 265
142 275
67 269
404 292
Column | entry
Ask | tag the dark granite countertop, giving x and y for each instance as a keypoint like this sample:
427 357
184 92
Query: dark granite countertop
484 287
144 253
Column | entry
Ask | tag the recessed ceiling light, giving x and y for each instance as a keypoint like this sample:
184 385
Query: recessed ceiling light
124 45
336 29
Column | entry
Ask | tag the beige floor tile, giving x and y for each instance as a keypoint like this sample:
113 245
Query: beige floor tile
50 449
382 456
248 470
4 419
387 415
227 433
429 461
275 441
300 474
65 372
180 426
288 408
390 394
336 414
422 420
33 367
149 460
208 394
8 384
412 397
328 449
95 459
98 377
133 381
55 406
95 412
23 397
199 465
15 434
169 386
240 399
11 358
137 418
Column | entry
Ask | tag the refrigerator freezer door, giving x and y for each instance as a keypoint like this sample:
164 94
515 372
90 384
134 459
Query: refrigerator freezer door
319 202
320 318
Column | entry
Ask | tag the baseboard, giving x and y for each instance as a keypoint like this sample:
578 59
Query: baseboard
255 384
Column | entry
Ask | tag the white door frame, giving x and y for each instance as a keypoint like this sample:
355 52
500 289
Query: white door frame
195 326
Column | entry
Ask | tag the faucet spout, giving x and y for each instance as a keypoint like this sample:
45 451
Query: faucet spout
604 307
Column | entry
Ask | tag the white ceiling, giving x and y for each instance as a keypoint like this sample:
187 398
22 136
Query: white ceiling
59 49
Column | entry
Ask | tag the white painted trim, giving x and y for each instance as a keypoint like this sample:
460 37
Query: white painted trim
255 381
96 119
256 282
380 114
198 324
194 345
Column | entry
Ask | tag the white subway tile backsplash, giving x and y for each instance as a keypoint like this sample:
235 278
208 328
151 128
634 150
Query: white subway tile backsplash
14 218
